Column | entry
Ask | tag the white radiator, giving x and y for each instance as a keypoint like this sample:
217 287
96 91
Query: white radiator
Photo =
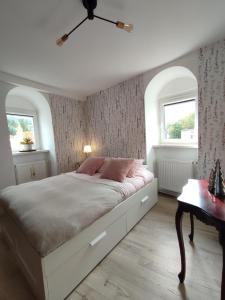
173 174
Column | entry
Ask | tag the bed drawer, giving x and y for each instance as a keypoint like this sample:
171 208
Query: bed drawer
86 259
141 206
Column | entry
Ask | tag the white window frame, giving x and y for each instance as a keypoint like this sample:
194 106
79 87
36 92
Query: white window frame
28 113
187 96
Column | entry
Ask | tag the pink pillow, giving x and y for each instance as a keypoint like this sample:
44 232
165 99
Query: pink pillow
117 169
91 165
107 159
137 164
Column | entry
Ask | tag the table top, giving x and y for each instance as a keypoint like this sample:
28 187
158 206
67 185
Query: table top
196 193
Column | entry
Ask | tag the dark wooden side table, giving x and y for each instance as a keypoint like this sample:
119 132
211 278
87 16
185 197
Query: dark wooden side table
196 200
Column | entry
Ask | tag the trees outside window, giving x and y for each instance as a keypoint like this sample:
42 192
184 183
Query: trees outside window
175 130
20 127
179 122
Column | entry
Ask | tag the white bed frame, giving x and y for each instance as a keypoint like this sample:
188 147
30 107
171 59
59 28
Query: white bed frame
55 276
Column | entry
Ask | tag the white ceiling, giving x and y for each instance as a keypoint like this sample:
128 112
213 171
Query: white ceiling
99 55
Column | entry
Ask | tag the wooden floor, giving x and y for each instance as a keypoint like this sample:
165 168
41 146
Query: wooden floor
144 265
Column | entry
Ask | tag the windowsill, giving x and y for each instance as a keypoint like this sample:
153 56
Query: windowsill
176 146
29 153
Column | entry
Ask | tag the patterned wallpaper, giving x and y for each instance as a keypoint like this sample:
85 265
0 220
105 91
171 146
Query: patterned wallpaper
112 121
211 107
69 126
115 120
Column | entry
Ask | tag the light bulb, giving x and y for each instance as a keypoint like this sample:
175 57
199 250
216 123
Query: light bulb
120 25
61 40
127 27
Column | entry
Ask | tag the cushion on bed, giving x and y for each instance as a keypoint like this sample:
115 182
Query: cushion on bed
91 165
131 173
117 169
107 159
138 163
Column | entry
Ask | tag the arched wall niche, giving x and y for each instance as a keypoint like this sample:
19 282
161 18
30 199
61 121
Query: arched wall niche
30 99
152 93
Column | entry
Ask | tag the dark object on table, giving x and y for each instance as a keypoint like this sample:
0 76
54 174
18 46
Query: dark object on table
198 202
211 181
216 182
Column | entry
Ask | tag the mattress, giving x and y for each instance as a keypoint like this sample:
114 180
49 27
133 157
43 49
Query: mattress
53 210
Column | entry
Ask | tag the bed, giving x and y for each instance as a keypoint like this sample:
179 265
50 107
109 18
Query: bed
55 252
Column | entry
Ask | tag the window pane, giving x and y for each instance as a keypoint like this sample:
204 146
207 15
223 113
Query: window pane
20 127
180 121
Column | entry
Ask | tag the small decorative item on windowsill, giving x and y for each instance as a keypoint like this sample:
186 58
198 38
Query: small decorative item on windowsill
216 182
27 143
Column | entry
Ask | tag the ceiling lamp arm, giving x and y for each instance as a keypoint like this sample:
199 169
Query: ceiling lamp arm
65 37
119 24
71 31
107 20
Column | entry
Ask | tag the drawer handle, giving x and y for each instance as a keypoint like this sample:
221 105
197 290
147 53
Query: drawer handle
144 199
98 239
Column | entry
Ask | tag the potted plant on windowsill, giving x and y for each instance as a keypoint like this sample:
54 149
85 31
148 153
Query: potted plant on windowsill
27 143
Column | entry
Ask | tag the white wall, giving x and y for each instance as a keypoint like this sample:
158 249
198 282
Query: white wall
177 153
46 132
178 86
187 64
7 175
189 61
29 98
15 101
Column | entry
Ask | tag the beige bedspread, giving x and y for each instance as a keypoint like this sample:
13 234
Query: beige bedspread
54 210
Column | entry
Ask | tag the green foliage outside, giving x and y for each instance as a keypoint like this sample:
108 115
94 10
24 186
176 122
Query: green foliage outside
174 129
14 124
25 124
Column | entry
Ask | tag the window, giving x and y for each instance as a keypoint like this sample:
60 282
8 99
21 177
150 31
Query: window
20 127
179 122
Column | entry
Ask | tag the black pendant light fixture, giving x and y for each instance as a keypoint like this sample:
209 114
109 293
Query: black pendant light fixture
90 6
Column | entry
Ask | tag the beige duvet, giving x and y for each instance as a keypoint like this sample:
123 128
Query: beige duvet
53 210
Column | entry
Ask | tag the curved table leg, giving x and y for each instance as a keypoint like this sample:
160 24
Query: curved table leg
191 235
179 216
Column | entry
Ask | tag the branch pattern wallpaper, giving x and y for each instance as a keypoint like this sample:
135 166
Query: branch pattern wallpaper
211 107
116 120
69 127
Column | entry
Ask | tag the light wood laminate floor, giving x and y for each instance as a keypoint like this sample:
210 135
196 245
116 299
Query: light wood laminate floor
144 265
